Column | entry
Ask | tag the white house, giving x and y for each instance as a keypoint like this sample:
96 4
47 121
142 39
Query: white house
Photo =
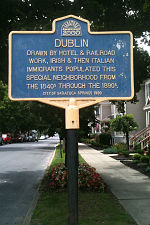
141 111
147 102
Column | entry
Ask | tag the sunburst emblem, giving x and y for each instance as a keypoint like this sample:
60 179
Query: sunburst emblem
71 28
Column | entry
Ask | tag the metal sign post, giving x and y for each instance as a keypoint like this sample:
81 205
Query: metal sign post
72 124
72 162
71 67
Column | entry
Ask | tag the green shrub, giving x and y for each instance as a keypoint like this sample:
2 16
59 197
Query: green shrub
140 151
104 138
142 165
148 150
85 140
110 151
147 170
124 153
94 143
97 138
137 147
104 146
120 146
136 157
92 136
144 159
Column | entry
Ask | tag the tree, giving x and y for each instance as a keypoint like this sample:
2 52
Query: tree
125 124
87 116
49 119
15 116
104 15
24 116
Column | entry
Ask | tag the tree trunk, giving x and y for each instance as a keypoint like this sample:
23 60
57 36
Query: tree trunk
127 139
66 150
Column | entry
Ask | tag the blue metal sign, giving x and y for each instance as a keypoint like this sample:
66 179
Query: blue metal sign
70 62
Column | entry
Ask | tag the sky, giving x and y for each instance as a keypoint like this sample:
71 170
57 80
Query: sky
144 46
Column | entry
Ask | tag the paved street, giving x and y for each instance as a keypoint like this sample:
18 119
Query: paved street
22 166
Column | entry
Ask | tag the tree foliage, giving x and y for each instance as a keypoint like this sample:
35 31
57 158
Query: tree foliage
104 15
124 124
23 116
18 116
14 116
141 67
87 116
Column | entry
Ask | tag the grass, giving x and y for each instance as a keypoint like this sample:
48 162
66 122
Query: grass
57 159
94 208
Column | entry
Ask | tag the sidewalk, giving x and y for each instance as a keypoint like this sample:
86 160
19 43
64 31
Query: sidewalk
130 187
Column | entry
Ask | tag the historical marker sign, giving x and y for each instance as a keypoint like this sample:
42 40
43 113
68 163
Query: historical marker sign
70 62
71 67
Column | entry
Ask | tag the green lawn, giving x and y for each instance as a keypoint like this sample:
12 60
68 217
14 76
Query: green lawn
94 208
57 159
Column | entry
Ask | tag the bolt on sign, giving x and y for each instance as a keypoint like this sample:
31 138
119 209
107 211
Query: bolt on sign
70 64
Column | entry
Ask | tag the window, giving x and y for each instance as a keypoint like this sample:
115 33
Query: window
147 92
148 119
97 111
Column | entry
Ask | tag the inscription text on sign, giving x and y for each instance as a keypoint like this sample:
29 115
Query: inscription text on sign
70 62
